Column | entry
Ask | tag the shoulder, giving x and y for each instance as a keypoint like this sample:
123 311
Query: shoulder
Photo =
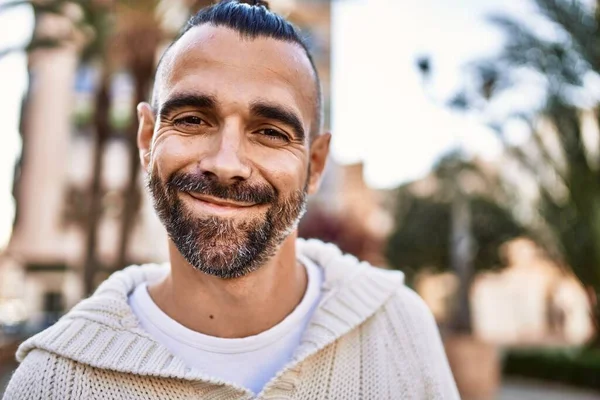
401 298
40 362
407 316
39 373
408 301
407 321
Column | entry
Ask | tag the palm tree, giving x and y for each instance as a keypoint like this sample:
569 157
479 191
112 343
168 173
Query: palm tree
140 34
131 38
567 174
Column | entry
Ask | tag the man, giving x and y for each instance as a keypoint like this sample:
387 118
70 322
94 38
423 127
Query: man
232 147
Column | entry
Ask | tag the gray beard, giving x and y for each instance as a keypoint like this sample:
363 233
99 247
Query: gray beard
223 247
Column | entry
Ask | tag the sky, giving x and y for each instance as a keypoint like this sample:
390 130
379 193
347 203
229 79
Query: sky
381 112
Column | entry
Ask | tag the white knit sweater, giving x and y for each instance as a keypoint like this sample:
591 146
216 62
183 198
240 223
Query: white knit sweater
370 338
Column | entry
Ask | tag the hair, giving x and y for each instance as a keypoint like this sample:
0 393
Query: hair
251 19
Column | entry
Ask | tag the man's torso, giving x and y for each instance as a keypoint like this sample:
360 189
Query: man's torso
247 362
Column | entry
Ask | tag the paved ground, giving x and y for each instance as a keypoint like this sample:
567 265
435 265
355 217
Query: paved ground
531 390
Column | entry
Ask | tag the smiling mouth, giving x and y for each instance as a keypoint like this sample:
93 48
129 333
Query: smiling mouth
219 204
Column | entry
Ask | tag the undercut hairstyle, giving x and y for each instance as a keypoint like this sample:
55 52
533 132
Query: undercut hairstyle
251 19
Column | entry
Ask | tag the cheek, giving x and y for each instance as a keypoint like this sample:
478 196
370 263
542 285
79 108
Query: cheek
284 170
171 154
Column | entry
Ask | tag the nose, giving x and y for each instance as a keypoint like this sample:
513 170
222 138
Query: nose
224 160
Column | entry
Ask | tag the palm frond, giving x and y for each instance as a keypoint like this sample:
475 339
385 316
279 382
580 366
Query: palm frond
578 22
557 61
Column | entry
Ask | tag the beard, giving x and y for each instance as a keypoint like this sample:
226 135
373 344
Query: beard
225 247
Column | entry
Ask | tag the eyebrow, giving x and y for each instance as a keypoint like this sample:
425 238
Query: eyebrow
186 100
279 113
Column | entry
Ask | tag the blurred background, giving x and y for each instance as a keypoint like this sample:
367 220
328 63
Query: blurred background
466 153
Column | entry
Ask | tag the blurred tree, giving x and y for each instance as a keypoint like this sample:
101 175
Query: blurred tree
561 161
125 36
425 228
137 36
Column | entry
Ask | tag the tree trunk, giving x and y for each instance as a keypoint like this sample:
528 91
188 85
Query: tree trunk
132 197
461 257
102 131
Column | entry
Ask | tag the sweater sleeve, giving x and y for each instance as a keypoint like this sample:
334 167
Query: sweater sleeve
38 377
414 318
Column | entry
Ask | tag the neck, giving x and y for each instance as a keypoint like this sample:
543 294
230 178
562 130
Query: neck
232 308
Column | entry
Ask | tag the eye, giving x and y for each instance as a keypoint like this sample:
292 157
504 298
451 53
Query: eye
189 120
274 134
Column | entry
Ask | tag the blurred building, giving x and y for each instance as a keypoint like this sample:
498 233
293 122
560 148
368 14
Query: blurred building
42 265
347 212
532 301
368 209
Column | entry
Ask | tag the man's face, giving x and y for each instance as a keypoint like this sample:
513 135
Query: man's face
229 165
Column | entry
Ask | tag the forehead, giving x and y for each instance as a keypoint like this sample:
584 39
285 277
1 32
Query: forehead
220 61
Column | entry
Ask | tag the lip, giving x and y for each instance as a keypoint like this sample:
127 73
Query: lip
213 205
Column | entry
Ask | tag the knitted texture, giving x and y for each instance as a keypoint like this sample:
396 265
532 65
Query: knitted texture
370 338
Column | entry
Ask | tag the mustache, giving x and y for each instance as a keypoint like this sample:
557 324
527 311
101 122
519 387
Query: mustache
241 191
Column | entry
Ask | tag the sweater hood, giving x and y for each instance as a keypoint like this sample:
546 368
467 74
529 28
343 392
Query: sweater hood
102 331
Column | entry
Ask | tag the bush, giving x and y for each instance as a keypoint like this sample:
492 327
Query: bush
579 367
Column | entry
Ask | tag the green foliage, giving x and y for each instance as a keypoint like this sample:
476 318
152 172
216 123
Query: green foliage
579 367
422 235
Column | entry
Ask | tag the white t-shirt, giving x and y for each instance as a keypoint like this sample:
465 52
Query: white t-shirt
249 362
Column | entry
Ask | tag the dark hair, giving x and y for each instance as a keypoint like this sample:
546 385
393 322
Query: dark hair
253 19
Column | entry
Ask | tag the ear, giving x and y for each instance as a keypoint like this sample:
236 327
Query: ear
319 150
145 132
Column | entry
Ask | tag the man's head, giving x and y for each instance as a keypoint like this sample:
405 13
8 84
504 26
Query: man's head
251 22
232 144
